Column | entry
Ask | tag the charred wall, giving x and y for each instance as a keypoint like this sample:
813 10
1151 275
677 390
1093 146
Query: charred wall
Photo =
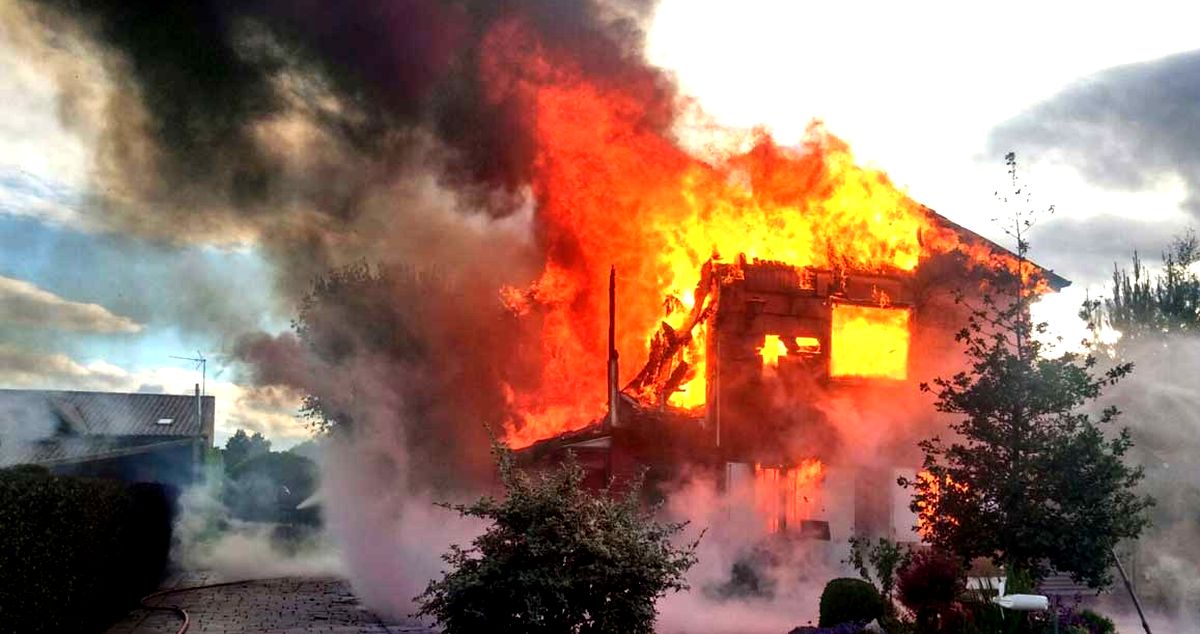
767 410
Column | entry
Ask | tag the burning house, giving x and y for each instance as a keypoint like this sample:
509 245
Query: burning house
752 385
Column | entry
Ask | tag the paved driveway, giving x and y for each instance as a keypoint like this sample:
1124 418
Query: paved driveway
282 606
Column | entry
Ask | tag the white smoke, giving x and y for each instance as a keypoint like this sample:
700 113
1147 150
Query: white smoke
24 422
734 532
391 537
1160 403
208 538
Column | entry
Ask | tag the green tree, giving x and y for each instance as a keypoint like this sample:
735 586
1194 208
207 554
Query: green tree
242 447
390 346
354 311
1152 305
557 558
1029 479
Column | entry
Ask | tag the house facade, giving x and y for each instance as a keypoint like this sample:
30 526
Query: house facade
798 369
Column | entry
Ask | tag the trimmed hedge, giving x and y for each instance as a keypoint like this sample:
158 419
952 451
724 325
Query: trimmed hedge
848 600
77 553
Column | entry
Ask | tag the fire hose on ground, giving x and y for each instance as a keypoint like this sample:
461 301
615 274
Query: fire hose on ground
179 611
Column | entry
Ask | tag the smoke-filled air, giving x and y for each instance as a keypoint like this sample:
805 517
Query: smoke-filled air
509 268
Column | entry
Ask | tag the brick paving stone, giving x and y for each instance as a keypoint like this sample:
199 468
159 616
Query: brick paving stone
269 606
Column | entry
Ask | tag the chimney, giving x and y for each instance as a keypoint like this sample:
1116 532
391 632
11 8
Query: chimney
614 388
199 407
199 448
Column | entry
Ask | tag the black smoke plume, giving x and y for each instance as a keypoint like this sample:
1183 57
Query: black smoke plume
332 134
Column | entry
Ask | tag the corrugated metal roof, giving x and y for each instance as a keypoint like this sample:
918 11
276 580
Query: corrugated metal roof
69 449
106 413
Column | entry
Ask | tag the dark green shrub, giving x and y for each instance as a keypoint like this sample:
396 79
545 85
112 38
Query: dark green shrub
147 534
848 600
76 553
558 558
1096 623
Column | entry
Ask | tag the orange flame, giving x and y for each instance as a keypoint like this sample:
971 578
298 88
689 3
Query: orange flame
869 342
612 188
926 511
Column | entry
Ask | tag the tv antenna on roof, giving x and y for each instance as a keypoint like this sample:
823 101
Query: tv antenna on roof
201 365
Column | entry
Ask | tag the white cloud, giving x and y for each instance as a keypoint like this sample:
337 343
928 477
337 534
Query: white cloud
23 304
916 88
33 137
271 410
25 369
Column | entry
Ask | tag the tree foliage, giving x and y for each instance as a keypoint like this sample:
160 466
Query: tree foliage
242 447
557 558
1147 305
355 310
1030 478
884 557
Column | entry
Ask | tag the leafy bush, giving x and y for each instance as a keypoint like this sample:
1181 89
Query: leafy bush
76 553
848 600
1097 623
885 557
557 559
1073 619
929 586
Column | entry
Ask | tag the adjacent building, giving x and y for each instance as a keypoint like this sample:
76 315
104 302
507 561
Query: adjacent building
138 437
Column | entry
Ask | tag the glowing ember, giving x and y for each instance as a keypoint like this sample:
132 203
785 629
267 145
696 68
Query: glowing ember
869 342
773 347
786 495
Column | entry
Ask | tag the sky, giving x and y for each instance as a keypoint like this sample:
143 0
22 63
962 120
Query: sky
1095 99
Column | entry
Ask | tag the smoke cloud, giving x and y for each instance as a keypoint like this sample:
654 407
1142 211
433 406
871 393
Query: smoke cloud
207 537
326 136
1161 406
788 576
391 538
365 138
1127 127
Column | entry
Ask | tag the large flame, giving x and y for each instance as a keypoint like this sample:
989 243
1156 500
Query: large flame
611 189
869 342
